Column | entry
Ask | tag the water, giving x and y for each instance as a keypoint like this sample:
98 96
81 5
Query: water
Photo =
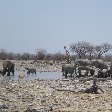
39 75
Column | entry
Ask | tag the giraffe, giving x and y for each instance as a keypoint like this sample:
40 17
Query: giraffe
67 55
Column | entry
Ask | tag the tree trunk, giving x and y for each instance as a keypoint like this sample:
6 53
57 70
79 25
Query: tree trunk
90 56
99 56
79 56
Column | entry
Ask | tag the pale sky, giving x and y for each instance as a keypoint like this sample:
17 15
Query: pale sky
26 25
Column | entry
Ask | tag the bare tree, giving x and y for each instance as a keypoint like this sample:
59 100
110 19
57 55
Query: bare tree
58 56
80 48
90 50
11 56
18 56
3 54
40 54
67 55
48 56
101 49
25 56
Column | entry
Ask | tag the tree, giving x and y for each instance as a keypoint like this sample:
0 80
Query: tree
40 54
101 49
90 50
48 56
18 56
3 54
58 56
25 56
81 48
67 56
11 56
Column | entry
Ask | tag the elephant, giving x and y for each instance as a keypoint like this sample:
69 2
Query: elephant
30 70
104 73
99 64
83 62
86 68
68 68
110 70
8 67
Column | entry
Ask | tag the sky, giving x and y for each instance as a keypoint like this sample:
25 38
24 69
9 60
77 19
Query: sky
27 25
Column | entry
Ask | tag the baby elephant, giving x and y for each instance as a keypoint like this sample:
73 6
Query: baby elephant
31 70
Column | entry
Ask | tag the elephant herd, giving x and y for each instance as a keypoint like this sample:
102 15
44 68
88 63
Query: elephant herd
82 68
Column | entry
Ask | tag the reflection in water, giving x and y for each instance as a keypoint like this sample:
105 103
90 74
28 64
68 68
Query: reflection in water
39 75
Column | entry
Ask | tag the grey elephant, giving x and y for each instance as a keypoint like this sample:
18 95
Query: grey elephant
105 73
30 70
82 62
86 68
99 64
68 69
110 71
8 67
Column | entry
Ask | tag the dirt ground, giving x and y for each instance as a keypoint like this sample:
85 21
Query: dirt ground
52 95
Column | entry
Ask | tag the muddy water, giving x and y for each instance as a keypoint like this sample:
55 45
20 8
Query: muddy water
39 75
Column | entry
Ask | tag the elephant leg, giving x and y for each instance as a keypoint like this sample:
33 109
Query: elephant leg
106 75
63 74
71 75
28 72
100 74
80 73
110 75
8 74
4 72
13 72
86 74
66 74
